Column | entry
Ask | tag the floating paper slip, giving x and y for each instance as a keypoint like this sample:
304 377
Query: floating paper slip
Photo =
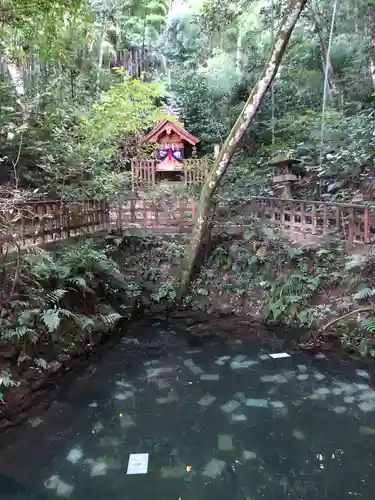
279 355
138 463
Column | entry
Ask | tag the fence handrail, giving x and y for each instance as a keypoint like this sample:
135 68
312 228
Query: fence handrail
310 202
59 202
37 222
40 222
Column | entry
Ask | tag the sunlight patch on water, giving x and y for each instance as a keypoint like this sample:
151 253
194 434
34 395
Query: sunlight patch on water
230 406
75 455
61 488
225 442
210 376
214 468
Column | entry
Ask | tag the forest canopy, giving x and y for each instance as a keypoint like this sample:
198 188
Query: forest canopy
81 80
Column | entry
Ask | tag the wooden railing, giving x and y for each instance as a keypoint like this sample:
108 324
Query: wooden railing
144 172
354 224
195 171
157 216
34 223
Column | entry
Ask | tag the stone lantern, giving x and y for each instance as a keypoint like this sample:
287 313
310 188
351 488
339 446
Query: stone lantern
284 173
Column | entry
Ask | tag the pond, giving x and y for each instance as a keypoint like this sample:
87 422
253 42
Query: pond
220 422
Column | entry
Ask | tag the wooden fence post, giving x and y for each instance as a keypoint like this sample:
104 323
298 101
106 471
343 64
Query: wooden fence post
325 219
366 225
350 227
133 174
193 209
313 218
338 219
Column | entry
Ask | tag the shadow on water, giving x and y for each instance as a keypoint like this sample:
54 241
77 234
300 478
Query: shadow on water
12 490
220 419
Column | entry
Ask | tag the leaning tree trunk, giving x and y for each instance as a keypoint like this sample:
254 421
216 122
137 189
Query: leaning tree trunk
224 157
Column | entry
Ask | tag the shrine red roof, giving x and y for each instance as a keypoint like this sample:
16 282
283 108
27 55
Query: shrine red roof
157 131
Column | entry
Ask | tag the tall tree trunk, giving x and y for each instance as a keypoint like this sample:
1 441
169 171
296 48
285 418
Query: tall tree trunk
239 55
16 74
371 28
101 55
322 36
142 66
245 119
372 59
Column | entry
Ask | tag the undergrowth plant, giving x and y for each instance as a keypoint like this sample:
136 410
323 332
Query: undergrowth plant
356 323
61 299
285 277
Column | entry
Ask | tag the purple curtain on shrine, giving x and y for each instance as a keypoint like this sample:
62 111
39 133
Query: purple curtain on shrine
176 153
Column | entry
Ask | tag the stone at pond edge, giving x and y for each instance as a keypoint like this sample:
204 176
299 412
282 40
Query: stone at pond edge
249 455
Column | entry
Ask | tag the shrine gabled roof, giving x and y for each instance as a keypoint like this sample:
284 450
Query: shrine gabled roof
161 127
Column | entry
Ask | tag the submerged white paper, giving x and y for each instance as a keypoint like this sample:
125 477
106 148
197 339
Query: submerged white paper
279 355
138 463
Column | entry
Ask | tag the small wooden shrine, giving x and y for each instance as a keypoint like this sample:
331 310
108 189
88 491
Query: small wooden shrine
174 144
285 173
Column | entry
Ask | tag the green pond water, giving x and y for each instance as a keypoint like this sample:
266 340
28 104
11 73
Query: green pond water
221 422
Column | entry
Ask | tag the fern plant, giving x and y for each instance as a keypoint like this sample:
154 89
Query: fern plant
61 294
288 298
6 381
364 293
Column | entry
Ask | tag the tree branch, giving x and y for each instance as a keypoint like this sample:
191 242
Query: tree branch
336 320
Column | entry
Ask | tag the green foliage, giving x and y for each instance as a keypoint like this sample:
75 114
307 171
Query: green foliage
6 381
166 292
61 295
210 37
356 322
364 293
288 296
264 268
125 110
107 183
200 109
65 300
